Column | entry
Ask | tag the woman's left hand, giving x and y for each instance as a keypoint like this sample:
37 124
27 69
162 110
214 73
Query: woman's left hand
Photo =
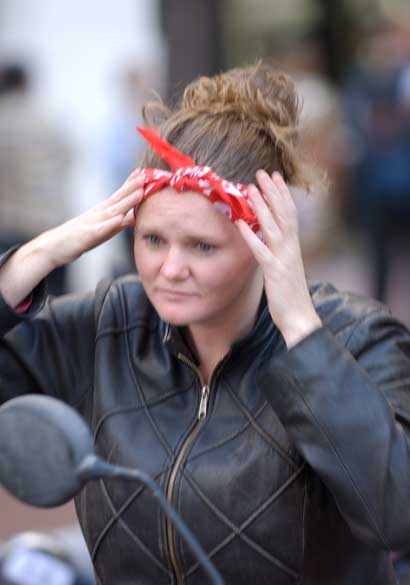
280 257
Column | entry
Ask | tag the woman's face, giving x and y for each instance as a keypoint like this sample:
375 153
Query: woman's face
193 263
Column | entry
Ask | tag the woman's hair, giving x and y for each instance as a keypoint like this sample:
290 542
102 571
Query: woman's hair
236 122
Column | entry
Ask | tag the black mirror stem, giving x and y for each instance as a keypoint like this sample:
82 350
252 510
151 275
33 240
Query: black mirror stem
93 468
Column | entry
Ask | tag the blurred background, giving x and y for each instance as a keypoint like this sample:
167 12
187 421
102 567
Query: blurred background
74 75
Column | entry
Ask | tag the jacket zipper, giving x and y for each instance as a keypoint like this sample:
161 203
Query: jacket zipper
203 407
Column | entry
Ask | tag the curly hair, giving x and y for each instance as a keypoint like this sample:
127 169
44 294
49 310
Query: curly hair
237 122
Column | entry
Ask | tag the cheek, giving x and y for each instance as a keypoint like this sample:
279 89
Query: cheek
144 261
138 258
226 277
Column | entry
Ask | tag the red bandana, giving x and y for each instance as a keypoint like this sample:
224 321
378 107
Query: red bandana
231 199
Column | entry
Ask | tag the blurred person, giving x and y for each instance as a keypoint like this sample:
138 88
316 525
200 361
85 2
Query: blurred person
404 90
380 147
35 162
401 563
273 412
323 137
121 148
72 541
37 558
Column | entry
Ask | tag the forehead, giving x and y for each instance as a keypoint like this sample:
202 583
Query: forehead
188 210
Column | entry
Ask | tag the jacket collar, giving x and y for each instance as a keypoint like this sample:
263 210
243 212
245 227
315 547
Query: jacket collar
175 340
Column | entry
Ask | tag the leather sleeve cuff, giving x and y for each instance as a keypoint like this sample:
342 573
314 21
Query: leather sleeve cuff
339 419
304 358
9 318
329 404
317 371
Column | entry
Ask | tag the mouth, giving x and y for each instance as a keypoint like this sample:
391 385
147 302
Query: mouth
174 293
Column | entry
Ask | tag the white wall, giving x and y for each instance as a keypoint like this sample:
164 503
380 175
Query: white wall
77 48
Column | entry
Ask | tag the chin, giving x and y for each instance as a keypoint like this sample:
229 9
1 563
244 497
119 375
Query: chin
176 322
179 316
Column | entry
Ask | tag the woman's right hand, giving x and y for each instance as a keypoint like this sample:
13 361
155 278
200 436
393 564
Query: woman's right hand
68 241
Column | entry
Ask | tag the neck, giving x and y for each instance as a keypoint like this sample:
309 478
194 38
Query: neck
212 340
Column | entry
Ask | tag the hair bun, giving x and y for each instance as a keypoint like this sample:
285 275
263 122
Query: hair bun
238 122
258 94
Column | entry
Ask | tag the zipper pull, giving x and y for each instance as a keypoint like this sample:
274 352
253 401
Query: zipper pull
203 405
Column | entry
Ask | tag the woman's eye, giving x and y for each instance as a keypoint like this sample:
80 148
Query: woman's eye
203 247
152 239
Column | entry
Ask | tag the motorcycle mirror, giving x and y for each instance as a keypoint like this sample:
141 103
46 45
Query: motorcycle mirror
47 455
43 442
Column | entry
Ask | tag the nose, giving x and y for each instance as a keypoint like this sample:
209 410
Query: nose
174 266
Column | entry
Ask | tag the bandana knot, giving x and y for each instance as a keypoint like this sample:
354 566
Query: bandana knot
229 198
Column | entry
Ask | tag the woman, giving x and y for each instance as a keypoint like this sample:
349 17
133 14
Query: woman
275 416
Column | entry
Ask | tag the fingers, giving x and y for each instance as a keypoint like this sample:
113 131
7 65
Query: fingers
128 219
277 217
257 247
96 233
126 198
135 181
133 175
130 185
102 223
127 203
266 219
279 198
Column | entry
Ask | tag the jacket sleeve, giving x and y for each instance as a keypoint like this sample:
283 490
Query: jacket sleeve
49 349
347 410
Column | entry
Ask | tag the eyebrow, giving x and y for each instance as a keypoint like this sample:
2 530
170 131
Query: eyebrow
189 237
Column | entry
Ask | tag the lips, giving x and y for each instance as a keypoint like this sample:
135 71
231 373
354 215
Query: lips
174 293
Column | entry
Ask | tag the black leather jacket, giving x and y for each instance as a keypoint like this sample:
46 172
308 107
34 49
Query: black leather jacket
297 473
